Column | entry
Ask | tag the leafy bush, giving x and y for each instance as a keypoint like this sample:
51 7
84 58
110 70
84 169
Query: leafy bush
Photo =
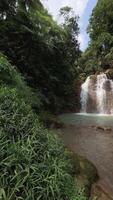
9 76
16 117
80 195
31 170
33 164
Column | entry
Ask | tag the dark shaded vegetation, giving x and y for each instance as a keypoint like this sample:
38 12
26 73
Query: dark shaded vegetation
39 75
44 52
33 162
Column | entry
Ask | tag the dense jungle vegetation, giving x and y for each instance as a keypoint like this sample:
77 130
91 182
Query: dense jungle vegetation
37 71
33 162
99 54
45 53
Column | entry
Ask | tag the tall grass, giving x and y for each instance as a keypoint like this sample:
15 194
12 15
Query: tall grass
34 164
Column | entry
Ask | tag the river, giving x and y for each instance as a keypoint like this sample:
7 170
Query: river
82 135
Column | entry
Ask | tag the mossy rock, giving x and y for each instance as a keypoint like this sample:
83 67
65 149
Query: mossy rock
83 183
50 121
84 167
83 77
84 171
93 77
109 73
98 193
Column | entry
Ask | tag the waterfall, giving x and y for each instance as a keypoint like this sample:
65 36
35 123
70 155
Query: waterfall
111 85
101 93
84 95
97 95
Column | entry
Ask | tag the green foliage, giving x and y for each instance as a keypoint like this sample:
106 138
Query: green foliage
16 116
31 170
80 195
7 8
98 56
43 51
88 63
85 173
101 19
70 25
9 76
33 162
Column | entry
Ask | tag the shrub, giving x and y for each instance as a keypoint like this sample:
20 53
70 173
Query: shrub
9 76
31 170
34 164
16 117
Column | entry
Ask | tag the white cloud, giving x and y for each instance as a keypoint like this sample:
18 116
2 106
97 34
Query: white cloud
54 6
83 39
79 6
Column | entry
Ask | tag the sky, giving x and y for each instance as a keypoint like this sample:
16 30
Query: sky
82 8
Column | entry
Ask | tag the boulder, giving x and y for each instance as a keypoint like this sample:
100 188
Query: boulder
103 128
109 73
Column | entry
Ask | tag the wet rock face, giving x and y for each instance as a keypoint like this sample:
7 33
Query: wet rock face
107 86
91 104
97 95
109 73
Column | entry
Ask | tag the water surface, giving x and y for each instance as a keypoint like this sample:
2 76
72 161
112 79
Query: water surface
87 119
82 136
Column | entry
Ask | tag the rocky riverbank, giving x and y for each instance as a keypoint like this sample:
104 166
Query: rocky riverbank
97 146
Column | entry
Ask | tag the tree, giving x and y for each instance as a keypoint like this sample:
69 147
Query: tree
42 50
101 38
70 25
101 19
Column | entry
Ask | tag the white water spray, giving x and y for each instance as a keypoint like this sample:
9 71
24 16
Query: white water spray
84 95
101 93
97 97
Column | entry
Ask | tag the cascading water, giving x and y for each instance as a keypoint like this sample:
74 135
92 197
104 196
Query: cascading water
97 95
101 93
84 95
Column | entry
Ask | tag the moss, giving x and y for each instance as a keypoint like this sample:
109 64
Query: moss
109 73
93 77
84 171
83 77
